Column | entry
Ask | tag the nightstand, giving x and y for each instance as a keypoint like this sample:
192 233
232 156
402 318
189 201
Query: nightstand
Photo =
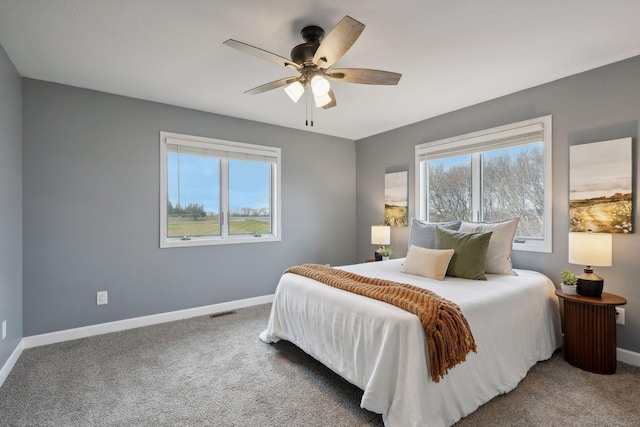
590 331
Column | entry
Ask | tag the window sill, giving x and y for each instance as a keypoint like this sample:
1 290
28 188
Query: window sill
201 241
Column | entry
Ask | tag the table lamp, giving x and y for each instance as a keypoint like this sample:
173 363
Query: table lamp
380 235
590 249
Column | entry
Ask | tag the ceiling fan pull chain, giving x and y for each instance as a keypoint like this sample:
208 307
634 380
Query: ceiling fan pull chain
308 107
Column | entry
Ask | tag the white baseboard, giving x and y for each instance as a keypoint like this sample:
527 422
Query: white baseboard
8 365
629 357
136 322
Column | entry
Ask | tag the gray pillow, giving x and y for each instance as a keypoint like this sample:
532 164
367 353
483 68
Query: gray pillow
423 233
470 252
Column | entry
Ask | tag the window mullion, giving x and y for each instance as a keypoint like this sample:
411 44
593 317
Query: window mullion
476 187
224 197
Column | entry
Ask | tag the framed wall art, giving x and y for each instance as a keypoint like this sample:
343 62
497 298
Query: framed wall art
396 197
600 187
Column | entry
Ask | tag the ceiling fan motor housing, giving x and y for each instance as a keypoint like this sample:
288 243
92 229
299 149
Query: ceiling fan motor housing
303 53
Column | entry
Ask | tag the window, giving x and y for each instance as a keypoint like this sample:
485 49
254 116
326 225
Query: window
217 192
491 175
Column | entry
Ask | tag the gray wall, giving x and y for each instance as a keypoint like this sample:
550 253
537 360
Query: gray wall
598 105
10 205
91 196
91 210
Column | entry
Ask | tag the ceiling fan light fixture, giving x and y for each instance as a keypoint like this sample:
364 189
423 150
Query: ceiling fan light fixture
321 100
319 85
295 90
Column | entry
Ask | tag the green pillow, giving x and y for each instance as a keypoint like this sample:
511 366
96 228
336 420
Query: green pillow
470 252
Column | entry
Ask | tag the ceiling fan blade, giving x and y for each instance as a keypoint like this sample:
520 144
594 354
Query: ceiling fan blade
272 85
261 53
364 76
338 42
333 102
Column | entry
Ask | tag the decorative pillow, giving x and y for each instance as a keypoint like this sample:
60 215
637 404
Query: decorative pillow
431 263
501 244
470 252
423 233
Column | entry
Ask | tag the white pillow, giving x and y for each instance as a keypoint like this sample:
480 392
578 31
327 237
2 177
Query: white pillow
431 263
498 259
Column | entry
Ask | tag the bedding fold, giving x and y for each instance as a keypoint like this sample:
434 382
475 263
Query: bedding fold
447 331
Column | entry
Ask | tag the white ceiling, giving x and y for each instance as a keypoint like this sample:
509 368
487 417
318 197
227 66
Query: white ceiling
452 54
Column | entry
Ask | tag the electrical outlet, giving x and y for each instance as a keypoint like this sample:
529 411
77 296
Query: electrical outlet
620 316
102 298
4 329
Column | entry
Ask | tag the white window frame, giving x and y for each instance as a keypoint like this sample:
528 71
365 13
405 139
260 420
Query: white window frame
510 135
232 150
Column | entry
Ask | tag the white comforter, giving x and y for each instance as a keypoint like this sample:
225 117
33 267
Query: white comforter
381 348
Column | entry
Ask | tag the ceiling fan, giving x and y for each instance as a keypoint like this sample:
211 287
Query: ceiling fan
313 60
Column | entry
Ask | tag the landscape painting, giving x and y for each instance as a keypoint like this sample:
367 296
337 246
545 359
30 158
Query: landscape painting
600 187
395 199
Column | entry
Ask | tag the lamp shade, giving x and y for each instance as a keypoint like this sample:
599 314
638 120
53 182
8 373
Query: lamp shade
592 249
294 90
380 235
322 100
319 85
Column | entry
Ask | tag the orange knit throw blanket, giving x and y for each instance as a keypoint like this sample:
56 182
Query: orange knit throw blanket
447 331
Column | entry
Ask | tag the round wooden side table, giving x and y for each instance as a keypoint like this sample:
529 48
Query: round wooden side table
590 331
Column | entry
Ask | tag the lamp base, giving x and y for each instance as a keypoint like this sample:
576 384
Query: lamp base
590 285
378 257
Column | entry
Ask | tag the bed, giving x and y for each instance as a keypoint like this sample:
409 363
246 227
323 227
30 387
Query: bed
381 348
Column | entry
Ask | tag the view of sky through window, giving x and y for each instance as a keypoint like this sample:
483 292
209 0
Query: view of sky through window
249 184
196 179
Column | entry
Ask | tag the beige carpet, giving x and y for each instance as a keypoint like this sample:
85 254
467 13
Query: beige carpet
216 372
